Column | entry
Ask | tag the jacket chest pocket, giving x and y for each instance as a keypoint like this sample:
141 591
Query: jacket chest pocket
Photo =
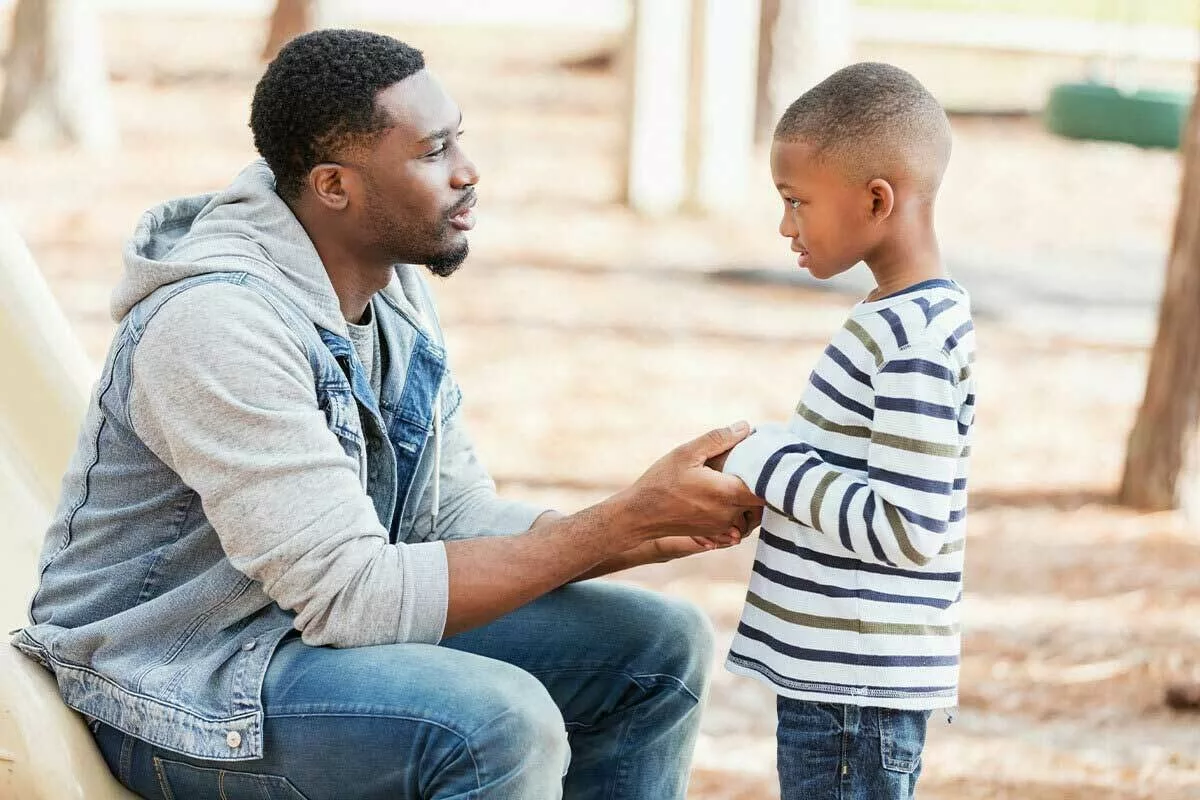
337 403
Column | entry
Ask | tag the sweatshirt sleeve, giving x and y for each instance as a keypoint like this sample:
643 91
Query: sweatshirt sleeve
223 393
896 514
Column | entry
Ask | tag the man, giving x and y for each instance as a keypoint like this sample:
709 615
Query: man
278 569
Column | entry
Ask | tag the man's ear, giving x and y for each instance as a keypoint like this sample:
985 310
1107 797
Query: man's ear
883 199
328 183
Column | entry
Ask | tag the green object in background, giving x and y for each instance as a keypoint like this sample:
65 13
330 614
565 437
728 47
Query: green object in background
1146 118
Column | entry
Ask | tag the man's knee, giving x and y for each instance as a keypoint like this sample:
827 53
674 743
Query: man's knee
522 730
686 640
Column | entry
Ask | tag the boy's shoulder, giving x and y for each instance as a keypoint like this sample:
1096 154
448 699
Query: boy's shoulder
933 318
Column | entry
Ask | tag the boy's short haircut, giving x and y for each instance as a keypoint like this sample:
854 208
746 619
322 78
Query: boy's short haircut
874 119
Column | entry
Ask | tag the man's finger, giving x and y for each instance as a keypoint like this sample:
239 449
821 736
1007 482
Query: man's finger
714 442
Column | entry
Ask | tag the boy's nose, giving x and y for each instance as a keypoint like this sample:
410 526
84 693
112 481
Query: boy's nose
787 227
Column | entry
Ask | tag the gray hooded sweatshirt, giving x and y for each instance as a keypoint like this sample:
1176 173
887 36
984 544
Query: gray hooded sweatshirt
237 477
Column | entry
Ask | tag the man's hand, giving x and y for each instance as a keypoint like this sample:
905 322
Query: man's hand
680 496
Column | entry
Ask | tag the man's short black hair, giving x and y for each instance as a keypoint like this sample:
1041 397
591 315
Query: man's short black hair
318 96
871 115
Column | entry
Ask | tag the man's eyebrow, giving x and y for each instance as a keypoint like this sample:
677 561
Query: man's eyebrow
442 133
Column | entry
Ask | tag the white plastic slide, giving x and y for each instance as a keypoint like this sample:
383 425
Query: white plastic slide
46 752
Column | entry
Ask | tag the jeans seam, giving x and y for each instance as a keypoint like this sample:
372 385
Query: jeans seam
465 739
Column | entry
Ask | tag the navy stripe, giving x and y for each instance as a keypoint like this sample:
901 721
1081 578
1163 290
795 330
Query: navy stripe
793 484
910 366
852 564
958 515
963 429
843 515
915 407
932 312
821 385
839 358
909 481
842 461
932 283
928 523
960 484
836 657
802 585
952 340
894 322
772 462
824 687
872 538
970 401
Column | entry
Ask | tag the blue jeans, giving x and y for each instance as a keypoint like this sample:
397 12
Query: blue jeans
604 678
828 751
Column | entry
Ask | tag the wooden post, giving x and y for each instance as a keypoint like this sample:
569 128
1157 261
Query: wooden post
1162 463
657 164
811 39
56 84
726 75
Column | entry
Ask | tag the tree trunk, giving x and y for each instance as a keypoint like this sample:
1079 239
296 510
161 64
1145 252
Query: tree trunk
1162 465
57 84
290 19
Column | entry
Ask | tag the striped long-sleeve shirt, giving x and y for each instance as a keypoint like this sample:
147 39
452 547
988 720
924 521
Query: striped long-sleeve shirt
857 580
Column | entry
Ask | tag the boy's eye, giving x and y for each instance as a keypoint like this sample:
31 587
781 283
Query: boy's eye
792 202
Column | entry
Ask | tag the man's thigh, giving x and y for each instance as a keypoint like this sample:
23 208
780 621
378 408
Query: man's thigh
390 721
597 644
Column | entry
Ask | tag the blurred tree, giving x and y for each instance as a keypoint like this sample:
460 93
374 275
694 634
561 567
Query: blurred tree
290 19
56 84
1162 463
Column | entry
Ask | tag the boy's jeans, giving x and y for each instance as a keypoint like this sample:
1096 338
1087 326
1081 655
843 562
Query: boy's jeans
843 752
605 678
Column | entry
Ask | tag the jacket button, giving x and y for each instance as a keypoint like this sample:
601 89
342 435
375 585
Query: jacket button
249 645
233 739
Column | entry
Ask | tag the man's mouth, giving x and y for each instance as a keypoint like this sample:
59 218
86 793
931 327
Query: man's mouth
463 217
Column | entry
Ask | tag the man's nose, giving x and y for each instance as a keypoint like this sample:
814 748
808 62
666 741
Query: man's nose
465 174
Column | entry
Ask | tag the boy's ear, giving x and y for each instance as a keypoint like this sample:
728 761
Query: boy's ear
883 199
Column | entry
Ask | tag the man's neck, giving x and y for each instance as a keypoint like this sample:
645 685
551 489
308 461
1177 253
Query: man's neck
356 277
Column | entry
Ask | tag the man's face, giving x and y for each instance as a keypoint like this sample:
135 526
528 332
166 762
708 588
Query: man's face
418 183
825 215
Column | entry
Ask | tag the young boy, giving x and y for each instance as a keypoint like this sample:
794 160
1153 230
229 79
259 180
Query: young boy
852 613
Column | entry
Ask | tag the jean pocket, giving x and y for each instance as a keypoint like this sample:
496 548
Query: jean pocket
902 739
180 781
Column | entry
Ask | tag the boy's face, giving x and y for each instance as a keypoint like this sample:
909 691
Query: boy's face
826 216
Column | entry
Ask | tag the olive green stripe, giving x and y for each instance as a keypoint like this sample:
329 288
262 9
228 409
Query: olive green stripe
952 547
814 510
910 552
964 374
852 625
861 334
916 445
860 431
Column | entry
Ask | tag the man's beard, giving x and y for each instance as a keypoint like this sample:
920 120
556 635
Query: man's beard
446 264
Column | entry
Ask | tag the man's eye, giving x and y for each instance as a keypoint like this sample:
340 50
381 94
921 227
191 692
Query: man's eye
433 153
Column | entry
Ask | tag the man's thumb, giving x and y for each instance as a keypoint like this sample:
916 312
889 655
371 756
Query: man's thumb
716 441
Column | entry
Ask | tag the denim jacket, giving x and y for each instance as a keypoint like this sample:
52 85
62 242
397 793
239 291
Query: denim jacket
236 479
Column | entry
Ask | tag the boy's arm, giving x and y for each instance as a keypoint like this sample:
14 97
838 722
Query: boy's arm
898 514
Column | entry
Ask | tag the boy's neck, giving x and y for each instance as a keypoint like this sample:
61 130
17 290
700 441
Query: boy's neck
908 257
